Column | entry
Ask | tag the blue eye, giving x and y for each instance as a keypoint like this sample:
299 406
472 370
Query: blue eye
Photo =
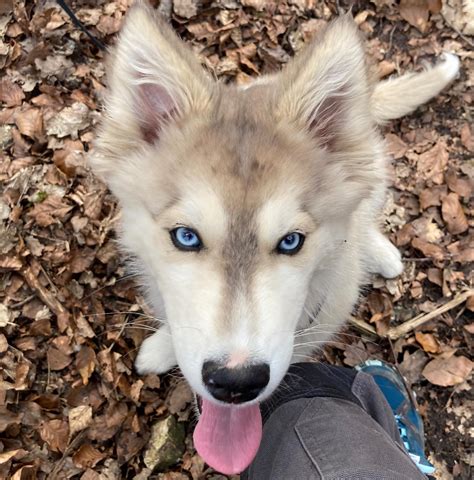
185 238
291 243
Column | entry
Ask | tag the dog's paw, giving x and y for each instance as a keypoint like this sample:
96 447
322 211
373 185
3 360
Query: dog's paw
156 354
382 257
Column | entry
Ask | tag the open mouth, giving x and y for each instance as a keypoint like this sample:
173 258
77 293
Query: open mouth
229 430
228 436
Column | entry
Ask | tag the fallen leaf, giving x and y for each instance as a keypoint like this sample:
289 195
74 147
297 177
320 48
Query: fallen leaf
431 164
431 197
427 341
55 433
179 397
8 455
448 372
85 363
79 418
87 456
257 4
355 353
30 122
412 365
428 249
11 94
395 146
426 229
435 275
57 360
27 472
460 15
185 8
415 12
461 185
453 214
49 211
69 121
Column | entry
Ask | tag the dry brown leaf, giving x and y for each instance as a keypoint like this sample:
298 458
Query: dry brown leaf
426 229
412 365
427 341
415 12
435 275
79 418
470 307
109 25
428 249
69 121
431 164
8 455
55 433
30 122
81 260
467 137
57 360
87 456
27 472
257 4
179 397
469 328
85 363
461 185
185 8
49 211
11 94
431 197
453 214
462 251
459 14
355 353
448 372
395 146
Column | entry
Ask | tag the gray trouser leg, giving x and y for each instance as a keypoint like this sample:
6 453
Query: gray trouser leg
331 433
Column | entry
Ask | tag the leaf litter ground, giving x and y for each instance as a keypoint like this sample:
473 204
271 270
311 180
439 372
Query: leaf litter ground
71 318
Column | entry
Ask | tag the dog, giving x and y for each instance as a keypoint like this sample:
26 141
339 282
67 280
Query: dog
251 212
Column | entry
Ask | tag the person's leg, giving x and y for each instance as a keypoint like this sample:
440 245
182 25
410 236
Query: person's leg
330 423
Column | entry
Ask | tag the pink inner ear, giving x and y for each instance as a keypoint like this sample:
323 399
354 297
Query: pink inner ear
156 107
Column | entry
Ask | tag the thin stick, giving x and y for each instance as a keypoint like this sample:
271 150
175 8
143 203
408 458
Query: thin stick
363 326
45 296
399 331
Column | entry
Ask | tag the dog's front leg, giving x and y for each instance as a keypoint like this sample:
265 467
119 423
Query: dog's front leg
156 353
380 256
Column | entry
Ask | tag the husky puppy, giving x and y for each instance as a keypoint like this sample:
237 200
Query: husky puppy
251 212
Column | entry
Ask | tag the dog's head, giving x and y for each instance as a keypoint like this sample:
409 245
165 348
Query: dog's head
233 197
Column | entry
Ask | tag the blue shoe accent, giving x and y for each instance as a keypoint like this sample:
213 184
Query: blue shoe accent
404 407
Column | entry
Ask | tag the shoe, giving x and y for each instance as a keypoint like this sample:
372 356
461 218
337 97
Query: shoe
404 407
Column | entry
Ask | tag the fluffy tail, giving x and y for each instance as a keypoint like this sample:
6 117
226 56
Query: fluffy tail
397 97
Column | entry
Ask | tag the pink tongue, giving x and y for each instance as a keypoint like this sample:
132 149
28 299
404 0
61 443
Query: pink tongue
228 437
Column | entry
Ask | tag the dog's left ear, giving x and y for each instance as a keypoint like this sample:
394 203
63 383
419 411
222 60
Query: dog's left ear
154 80
325 91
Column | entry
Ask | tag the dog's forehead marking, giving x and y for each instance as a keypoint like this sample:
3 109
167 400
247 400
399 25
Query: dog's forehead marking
247 161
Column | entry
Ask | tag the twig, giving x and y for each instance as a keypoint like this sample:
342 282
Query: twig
45 296
363 326
467 40
400 330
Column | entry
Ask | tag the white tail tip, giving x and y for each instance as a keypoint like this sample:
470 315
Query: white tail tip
449 66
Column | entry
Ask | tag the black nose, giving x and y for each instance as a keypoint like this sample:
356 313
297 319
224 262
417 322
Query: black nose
235 385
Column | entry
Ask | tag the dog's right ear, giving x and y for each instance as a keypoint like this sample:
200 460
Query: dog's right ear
154 79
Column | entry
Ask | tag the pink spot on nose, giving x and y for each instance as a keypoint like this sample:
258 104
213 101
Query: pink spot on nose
237 359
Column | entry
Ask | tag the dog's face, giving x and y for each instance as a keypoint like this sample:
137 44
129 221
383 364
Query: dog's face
233 198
